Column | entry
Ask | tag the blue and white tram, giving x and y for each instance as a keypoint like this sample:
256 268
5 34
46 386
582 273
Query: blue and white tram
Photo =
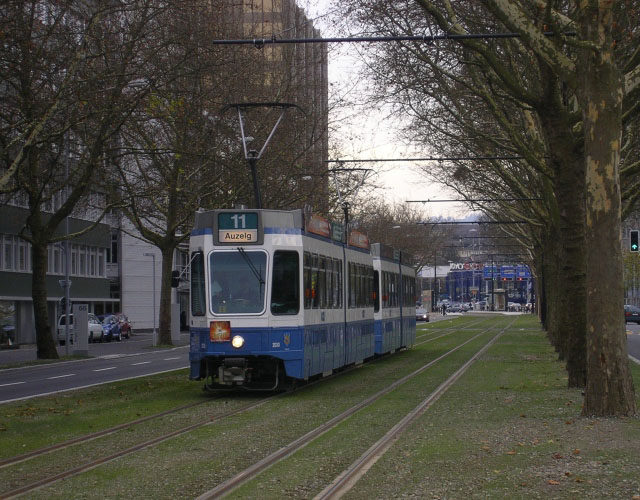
277 296
395 297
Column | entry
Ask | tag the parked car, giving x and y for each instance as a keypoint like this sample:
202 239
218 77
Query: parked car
422 314
125 325
111 328
631 314
95 331
456 308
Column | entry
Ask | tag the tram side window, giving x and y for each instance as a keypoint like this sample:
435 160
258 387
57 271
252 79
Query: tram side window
409 292
394 290
285 288
371 293
197 285
385 290
360 285
376 291
322 282
337 291
314 281
307 280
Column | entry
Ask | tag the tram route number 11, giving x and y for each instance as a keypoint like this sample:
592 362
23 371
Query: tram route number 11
242 219
238 227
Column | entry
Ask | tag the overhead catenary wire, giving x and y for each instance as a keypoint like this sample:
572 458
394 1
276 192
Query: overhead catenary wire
459 222
261 42
486 200
429 158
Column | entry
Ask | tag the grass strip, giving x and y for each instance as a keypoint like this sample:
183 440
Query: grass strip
511 429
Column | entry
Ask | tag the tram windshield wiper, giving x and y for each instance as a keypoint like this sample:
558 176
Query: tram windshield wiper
255 272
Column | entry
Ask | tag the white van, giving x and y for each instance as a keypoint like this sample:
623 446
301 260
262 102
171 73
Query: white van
96 333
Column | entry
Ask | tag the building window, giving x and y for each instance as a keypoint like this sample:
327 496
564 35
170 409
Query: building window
57 259
82 271
8 253
101 260
112 253
23 256
92 262
74 260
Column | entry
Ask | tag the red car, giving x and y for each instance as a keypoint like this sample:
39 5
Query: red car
125 326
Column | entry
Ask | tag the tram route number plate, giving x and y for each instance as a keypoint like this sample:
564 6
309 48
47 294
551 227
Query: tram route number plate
238 227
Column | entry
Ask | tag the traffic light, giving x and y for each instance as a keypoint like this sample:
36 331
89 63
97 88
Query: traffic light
633 240
175 279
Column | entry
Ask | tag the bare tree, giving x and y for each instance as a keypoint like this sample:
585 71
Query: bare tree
541 108
66 81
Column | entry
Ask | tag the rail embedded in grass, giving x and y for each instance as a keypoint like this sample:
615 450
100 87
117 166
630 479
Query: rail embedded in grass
255 469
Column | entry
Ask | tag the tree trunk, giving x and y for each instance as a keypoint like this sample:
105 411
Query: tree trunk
46 346
551 290
572 300
573 309
165 297
609 389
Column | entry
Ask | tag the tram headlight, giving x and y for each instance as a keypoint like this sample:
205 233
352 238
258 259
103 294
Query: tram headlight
237 341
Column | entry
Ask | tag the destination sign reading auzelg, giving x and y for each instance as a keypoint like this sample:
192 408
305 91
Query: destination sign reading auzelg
238 227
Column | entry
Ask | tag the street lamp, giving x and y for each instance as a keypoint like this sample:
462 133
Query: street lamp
153 257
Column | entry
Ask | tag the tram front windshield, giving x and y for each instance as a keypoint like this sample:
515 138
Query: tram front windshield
238 281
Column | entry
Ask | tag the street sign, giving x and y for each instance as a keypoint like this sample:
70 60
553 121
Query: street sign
63 283
490 272
508 272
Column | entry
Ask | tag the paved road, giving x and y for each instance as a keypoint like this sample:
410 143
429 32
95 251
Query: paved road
110 362
633 340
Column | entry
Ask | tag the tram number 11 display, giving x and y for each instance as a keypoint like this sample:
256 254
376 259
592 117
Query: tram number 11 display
238 227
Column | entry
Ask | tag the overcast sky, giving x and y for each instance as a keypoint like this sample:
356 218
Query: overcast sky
369 135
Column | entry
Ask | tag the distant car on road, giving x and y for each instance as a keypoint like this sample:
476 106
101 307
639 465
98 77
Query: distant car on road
96 333
422 314
631 314
111 328
125 325
457 307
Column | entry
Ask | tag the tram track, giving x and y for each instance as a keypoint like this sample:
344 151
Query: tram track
73 471
348 478
121 453
445 331
89 437
257 468
66 474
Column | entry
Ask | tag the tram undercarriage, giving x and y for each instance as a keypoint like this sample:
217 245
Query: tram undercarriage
255 374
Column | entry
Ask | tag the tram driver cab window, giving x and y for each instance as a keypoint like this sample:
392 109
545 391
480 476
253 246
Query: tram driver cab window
237 284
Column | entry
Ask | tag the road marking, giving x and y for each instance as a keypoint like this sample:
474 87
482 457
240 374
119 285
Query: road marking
62 376
142 363
12 383
105 369
170 359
